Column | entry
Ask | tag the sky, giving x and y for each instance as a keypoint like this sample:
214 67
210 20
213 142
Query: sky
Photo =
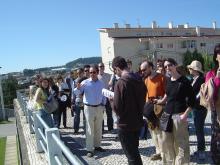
43 33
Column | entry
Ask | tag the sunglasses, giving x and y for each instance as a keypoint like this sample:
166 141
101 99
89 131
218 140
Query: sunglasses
86 70
101 66
168 65
93 72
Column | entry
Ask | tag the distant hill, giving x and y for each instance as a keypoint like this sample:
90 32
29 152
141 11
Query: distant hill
82 61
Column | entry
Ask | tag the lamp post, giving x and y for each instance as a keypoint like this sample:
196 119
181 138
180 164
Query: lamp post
2 99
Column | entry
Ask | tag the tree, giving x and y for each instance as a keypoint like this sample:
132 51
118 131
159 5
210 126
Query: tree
187 58
9 87
208 64
28 72
205 59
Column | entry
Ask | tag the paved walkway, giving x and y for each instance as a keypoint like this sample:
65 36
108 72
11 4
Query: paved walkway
11 156
114 154
10 131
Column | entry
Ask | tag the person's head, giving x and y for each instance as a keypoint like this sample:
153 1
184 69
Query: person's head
101 68
119 64
216 57
72 74
59 79
51 81
170 65
93 71
195 68
37 79
45 83
80 72
86 70
160 63
146 68
160 67
129 63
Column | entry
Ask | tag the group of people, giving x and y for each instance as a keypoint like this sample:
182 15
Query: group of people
172 96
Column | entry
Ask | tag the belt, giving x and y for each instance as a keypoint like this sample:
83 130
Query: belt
92 105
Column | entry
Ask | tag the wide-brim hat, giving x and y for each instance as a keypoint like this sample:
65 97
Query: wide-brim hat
196 65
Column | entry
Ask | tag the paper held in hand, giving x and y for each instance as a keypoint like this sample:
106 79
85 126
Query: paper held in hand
107 93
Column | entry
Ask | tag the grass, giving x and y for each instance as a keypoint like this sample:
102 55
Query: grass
18 151
2 150
6 122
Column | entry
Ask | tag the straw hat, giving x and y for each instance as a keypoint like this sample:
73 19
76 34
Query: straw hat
195 65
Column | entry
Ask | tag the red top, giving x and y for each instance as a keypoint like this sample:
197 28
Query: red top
211 74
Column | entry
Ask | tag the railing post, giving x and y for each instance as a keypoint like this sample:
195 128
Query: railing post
52 148
37 134
30 114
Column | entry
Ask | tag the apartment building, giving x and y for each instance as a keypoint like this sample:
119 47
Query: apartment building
139 43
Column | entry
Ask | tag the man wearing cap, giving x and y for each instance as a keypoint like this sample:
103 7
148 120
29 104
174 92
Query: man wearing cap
199 112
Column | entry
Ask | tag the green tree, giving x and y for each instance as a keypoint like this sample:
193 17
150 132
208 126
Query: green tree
28 72
9 87
208 64
187 58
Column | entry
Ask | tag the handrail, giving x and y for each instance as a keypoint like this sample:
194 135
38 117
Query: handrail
42 122
46 137
72 158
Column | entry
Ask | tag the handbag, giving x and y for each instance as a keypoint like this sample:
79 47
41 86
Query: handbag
206 93
149 113
166 122
51 105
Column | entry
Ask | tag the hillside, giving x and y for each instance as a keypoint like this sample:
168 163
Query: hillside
82 61
70 65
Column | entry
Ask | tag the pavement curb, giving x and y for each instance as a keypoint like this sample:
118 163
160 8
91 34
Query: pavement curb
11 156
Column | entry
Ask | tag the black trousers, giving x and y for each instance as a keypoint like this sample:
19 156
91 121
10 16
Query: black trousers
130 142
62 110
110 122
199 121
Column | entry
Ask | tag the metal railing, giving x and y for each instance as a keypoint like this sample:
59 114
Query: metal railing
47 139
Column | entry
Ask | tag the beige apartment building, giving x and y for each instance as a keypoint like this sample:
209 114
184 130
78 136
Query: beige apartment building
139 43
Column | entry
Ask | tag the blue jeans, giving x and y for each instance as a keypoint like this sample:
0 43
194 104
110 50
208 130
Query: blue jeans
199 121
77 111
130 142
47 118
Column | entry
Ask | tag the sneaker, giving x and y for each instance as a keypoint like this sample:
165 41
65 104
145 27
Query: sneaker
100 149
201 155
156 157
90 154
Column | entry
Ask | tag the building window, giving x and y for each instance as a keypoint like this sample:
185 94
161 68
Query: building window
159 45
187 34
183 44
202 44
188 44
170 45
193 44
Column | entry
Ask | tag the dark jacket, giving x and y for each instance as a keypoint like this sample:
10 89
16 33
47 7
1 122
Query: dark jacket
196 88
129 100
